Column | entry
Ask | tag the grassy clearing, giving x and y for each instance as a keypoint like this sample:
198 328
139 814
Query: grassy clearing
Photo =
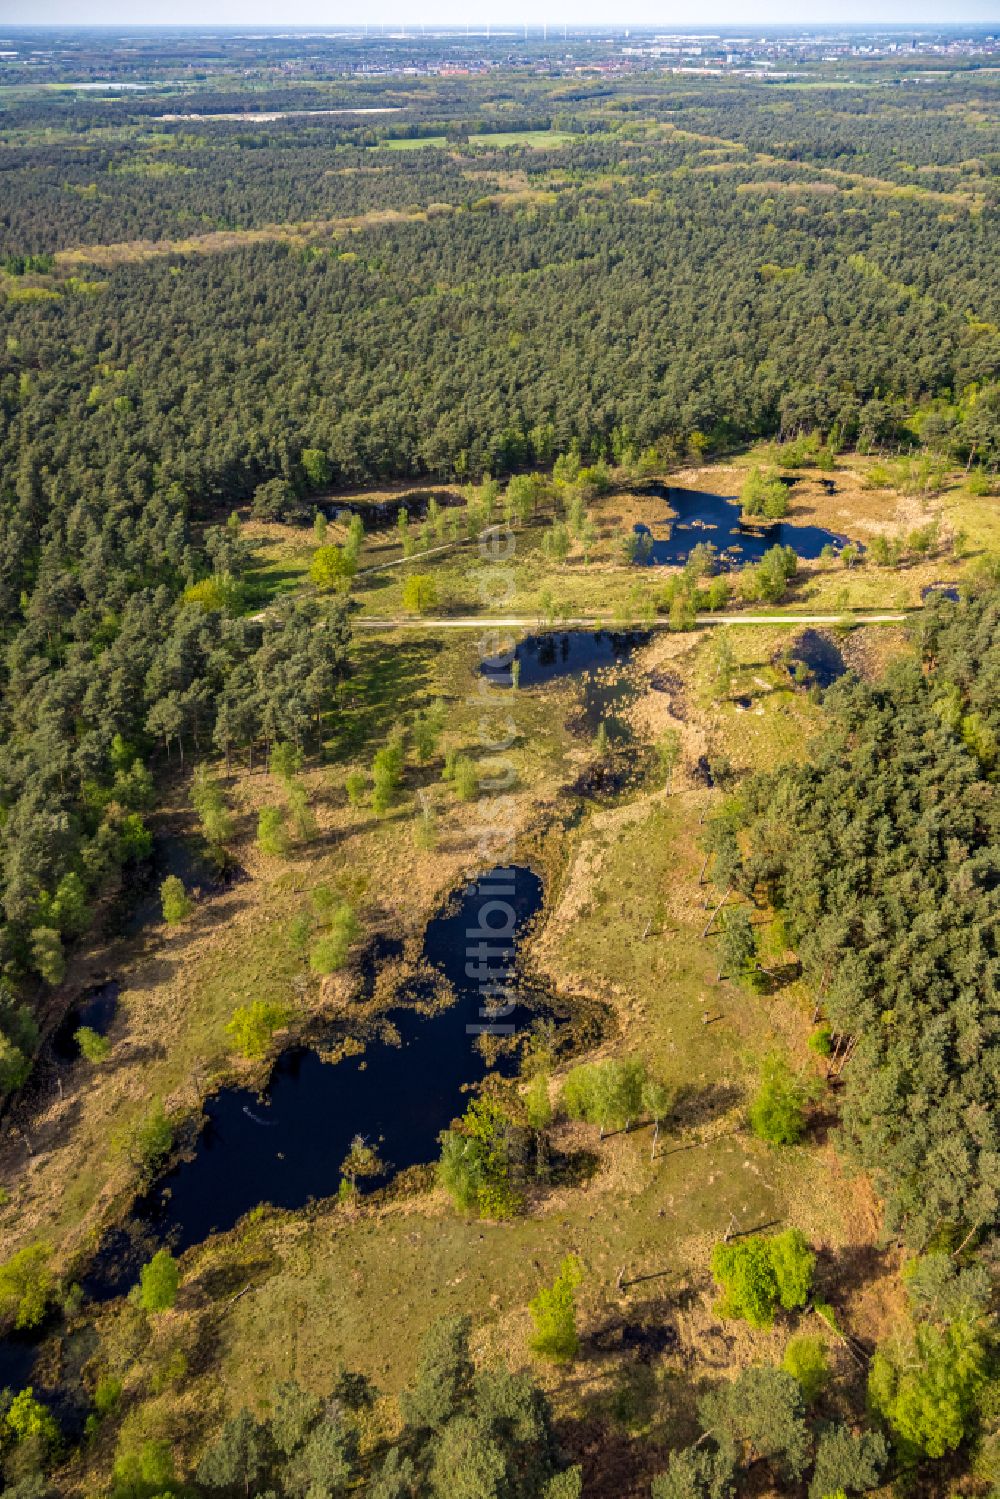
625 922
281 558
499 141
778 723
415 143
539 138
179 989
607 588
221 241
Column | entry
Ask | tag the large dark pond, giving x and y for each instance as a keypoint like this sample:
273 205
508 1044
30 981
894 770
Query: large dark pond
288 1146
712 517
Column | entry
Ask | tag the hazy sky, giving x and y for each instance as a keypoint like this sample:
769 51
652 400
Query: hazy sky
730 13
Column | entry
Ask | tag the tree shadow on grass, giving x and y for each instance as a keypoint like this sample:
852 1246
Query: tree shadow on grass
851 1269
772 980
400 814
126 1055
574 1168
388 678
380 578
614 1463
644 1333
164 953
822 1125
264 585
696 1107
221 1283
34 1128
636 1399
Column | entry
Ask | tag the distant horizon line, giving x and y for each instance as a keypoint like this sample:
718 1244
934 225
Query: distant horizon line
616 28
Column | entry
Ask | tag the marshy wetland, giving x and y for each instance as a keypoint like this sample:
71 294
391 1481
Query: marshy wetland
256 1153
382 1051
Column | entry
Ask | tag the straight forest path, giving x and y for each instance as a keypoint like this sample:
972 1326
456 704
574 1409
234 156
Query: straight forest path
592 622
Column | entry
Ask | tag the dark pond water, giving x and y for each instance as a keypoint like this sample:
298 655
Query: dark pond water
288 1146
819 654
96 1011
17 1358
948 591
563 653
605 696
712 517
595 655
68 1399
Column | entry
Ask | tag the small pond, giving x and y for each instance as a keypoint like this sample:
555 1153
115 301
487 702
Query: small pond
713 518
563 653
599 656
287 1147
605 695
96 1011
820 656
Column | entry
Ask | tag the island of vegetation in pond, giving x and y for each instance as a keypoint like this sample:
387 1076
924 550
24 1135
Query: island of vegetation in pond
697 518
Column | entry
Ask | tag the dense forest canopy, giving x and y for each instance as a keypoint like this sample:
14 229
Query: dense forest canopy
882 855
705 311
